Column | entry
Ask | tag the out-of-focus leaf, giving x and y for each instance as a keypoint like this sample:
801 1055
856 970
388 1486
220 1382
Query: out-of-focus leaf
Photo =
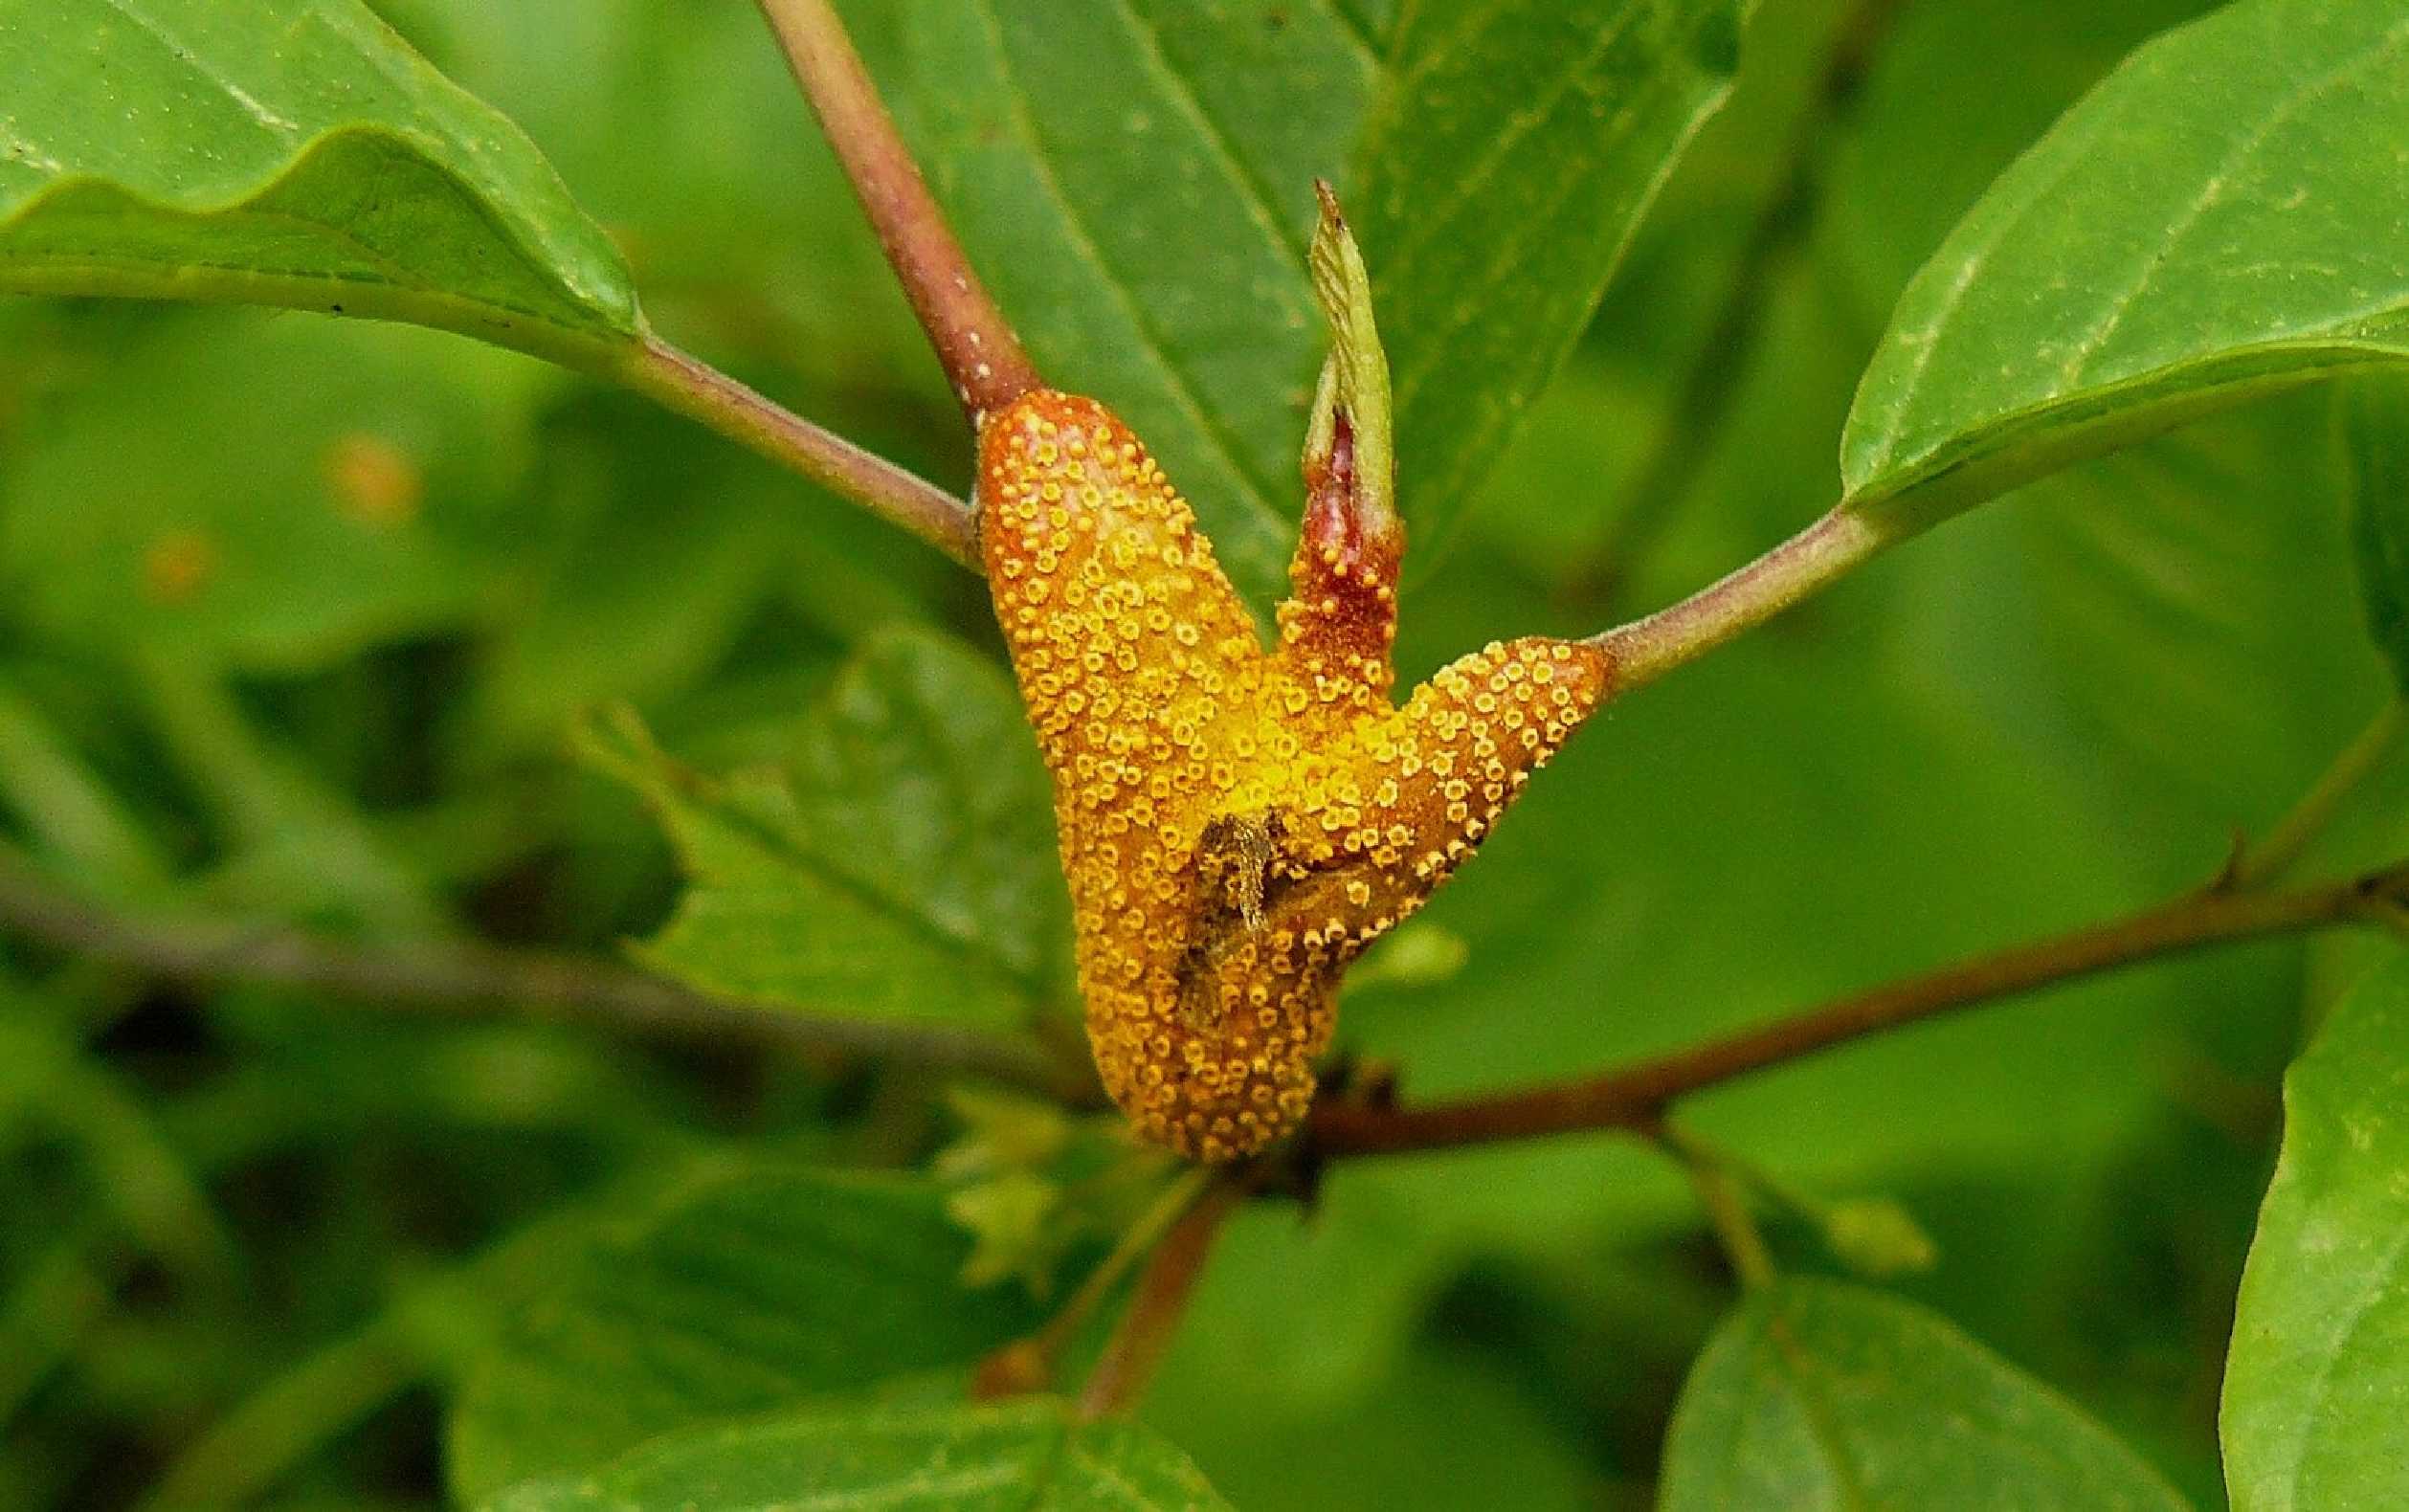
70 808
271 493
653 543
290 153
2317 1382
2375 415
1441 1428
143 1178
1509 158
1022 1455
2214 222
2188 595
899 864
734 1293
1817 1395
295 846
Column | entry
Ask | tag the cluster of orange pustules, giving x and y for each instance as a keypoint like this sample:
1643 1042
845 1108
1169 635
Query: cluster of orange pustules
1237 826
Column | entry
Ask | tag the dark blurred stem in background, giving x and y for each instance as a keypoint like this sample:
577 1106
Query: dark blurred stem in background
1668 473
464 976
982 358
2290 837
1633 1098
1723 1193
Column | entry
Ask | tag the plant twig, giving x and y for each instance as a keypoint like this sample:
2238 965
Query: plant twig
1633 1098
1137 1345
983 359
1668 469
1815 557
466 977
259 1442
670 377
1027 1365
2291 835
1723 1193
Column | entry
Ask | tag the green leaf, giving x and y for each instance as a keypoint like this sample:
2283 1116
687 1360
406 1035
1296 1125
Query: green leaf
736 1293
1513 150
2317 1382
1009 1459
1817 1395
2215 221
899 864
2375 415
1912 125
1136 180
288 152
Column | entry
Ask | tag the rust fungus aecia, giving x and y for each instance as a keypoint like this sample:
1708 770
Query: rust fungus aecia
1237 825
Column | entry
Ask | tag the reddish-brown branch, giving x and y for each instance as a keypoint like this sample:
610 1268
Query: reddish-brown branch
670 377
1809 562
1633 1098
1136 1347
1027 1365
982 357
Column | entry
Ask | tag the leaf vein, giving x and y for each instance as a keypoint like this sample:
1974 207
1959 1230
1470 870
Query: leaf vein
1429 353
1502 147
1253 193
2212 192
189 59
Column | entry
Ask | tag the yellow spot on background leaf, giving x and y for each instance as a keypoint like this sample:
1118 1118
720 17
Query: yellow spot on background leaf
1236 824
374 483
177 565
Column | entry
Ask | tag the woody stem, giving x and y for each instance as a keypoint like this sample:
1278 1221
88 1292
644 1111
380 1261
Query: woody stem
1137 1345
982 358
1812 560
680 382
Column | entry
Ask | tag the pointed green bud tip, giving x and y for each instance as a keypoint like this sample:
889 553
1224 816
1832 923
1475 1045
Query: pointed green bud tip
1417 955
1876 1238
1350 428
1012 1227
1002 1132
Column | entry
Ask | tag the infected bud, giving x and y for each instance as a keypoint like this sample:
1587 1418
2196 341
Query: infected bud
1236 824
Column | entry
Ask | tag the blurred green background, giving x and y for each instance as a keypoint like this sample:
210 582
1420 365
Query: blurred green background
297 615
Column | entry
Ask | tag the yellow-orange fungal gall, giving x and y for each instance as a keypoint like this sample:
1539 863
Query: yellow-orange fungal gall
1236 824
